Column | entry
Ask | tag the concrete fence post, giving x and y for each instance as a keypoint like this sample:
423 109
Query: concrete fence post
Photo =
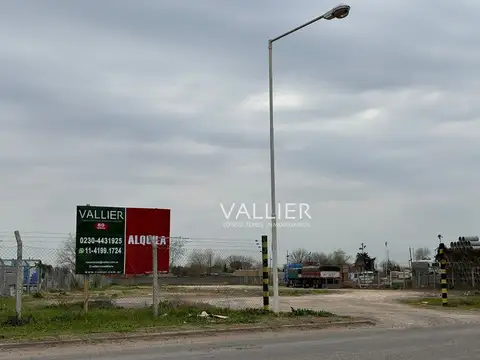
3 279
265 275
19 285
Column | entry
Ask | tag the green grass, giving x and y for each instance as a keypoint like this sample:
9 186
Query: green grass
459 302
69 319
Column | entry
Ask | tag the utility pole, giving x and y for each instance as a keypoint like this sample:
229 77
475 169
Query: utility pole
411 256
362 248
388 254
387 266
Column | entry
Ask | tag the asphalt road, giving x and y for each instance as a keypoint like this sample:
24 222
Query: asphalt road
454 342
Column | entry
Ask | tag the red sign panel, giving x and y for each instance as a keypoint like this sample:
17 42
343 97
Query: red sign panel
142 227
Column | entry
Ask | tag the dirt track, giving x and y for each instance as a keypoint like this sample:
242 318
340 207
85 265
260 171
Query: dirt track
383 307
379 305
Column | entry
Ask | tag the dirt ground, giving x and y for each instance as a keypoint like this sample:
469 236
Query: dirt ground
381 306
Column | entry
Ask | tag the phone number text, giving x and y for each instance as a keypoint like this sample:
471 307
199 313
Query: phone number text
101 240
103 250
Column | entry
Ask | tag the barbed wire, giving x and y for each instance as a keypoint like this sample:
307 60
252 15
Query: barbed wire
51 248
64 236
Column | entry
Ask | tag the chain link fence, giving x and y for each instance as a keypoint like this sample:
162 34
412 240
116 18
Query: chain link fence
4 291
220 272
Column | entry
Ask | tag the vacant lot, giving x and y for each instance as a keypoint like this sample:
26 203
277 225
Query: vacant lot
205 290
67 320
123 293
383 306
390 308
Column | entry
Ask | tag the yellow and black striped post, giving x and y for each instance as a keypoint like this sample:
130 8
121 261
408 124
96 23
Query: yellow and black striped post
443 273
265 272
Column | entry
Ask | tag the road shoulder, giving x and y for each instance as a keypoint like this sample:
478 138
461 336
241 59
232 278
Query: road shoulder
185 332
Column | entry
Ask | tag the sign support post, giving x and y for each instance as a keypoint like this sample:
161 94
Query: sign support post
155 277
19 283
86 293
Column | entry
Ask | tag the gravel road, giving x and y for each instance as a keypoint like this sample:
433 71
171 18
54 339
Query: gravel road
379 305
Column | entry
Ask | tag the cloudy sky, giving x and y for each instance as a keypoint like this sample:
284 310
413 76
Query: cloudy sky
158 103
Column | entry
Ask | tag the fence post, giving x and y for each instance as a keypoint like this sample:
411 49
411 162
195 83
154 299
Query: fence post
266 277
443 272
155 277
473 277
3 280
19 285
453 277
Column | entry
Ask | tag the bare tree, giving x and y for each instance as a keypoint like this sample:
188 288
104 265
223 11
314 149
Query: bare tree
319 258
202 261
66 255
237 262
338 257
177 250
219 264
299 256
389 266
422 253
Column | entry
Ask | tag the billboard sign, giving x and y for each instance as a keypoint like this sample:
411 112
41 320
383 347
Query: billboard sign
144 226
116 240
100 240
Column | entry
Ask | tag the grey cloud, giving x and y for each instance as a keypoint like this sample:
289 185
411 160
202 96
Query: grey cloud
91 91
430 165
385 46
419 53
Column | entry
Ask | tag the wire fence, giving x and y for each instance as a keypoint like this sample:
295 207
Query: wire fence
220 272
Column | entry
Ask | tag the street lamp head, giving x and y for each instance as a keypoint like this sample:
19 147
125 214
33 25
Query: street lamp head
338 12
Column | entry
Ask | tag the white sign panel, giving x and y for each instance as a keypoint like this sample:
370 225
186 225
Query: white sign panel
330 274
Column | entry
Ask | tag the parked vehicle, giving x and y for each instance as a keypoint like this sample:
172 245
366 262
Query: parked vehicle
314 276
291 275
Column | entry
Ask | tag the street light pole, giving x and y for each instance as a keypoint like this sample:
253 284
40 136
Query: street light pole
272 182
338 12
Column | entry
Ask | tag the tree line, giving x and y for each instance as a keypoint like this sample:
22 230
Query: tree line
208 261
361 260
197 262
303 256
338 257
